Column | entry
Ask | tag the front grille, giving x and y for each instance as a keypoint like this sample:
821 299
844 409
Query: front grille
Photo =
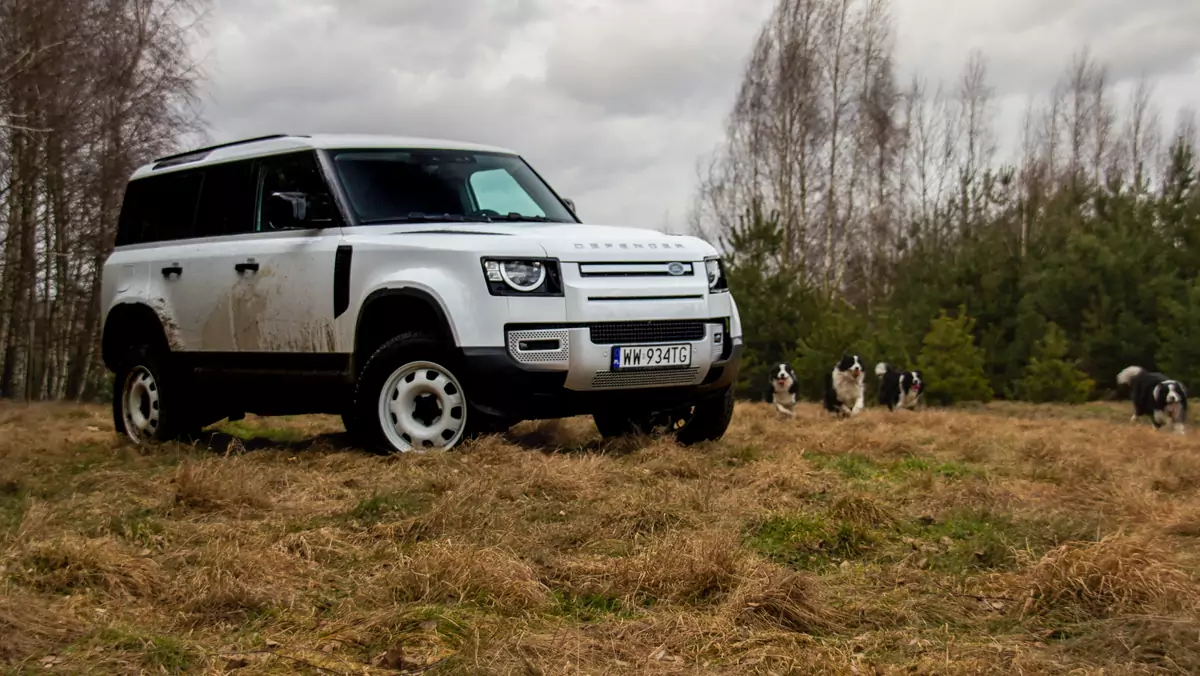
616 379
679 269
648 332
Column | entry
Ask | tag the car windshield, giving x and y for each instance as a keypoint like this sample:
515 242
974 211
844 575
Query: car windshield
390 186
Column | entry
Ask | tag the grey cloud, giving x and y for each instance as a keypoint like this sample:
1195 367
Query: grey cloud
1030 43
639 58
446 15
612 100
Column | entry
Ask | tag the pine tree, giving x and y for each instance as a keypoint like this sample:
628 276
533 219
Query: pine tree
773 301
1051 376
952 363
1179 352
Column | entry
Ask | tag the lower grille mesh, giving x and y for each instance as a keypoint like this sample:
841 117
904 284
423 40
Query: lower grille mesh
612 379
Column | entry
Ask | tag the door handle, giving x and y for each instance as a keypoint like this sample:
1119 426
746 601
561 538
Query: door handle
242 267
172 270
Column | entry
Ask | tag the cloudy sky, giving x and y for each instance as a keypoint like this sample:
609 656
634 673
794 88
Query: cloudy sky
614 101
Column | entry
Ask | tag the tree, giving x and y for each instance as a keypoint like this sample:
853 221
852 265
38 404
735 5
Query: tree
89 90
1051 376
1179 353
951 362
778 304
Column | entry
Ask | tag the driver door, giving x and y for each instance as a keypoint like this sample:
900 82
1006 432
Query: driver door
283 296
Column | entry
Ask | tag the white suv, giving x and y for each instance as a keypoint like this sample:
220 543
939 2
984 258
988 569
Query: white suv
425 291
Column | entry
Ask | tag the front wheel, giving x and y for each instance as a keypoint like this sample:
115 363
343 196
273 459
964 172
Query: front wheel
706 420
408 397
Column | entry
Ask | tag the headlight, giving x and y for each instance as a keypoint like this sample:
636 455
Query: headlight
716 275
522 276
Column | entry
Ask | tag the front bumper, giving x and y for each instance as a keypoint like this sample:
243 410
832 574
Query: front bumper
558 371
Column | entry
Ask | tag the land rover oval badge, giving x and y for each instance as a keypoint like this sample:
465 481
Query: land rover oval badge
675 269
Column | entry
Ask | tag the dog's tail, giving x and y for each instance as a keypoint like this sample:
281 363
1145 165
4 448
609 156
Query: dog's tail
881 368
1126 377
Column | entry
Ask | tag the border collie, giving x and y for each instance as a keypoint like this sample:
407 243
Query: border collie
844 387
785 390
899 389
1157 396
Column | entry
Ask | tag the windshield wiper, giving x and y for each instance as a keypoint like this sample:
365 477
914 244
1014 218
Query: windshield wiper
418 217
523 217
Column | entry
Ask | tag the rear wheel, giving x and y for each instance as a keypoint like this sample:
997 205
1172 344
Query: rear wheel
149 402
409 398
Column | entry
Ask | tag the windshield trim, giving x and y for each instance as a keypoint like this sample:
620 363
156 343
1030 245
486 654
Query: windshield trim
351 216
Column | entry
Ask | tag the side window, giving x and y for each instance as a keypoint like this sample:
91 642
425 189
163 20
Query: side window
226 200
159 208
297 179
496 190
133 226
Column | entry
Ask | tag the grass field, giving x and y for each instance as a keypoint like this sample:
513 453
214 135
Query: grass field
1001 539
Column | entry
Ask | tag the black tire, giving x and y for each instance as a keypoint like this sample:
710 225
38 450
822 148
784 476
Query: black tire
163 412
706 420
351 423
409 351
709 420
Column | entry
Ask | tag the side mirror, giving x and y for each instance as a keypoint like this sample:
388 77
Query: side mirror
570 205
286 210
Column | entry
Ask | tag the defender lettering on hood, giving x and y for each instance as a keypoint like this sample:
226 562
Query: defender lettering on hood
629 245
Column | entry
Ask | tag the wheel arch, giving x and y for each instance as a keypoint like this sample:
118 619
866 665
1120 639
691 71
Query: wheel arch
129 324
388 312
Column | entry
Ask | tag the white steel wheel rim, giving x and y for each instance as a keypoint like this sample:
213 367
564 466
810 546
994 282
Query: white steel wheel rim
422 407
141 405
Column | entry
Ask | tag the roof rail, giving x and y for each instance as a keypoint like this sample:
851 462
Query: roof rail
171 160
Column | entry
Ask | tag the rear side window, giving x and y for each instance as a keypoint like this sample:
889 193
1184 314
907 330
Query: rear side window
226 200
159 208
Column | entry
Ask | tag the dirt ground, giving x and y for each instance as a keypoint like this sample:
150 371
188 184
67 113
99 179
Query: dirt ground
1002 539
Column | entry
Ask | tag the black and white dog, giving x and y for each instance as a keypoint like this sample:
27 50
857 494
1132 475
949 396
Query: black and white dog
899 389
785 390
844 387
1157 396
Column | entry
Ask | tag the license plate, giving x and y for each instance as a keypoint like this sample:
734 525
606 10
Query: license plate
651 356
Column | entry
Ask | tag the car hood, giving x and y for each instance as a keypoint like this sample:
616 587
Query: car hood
580 243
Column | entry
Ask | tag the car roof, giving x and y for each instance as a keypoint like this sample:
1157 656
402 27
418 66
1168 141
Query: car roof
281 143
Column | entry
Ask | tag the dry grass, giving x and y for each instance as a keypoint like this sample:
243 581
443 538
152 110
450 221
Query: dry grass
1115 576
991 540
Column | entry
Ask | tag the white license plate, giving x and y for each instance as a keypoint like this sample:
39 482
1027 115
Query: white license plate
651 356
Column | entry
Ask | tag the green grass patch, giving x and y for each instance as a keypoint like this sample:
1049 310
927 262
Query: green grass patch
389 505
849 465
14 500
162 654
947 470
982 539
246 432
809 542
139 525
862 468
590 607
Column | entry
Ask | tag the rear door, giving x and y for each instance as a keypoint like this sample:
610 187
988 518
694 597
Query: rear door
224 223
182 284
